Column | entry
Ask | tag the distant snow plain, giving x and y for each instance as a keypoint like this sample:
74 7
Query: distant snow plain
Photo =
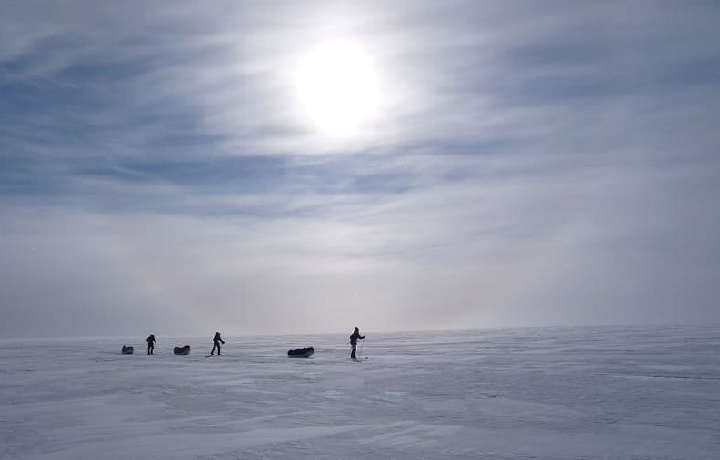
552 393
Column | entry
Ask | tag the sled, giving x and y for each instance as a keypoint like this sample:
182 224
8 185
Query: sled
182 350
301 352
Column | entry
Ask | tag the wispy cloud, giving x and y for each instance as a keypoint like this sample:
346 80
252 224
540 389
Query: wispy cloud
528 164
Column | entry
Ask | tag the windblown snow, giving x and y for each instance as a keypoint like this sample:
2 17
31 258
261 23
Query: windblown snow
495 394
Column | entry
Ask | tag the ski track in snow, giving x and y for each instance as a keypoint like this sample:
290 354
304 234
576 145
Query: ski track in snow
555 393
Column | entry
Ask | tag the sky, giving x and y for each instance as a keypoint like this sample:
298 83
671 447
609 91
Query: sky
307 167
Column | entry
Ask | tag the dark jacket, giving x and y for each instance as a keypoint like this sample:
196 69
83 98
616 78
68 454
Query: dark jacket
150 339
354 338
217 338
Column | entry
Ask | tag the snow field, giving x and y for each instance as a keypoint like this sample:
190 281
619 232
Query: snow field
524 393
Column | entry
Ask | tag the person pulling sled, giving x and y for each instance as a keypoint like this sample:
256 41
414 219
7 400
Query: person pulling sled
151 343
353 341
217 340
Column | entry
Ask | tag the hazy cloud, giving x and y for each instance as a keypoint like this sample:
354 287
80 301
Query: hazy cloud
527 165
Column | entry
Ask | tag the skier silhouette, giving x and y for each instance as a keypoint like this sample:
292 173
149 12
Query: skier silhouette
217 340
353 341
151 343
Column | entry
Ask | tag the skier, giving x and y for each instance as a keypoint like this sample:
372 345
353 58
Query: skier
353 341
217 340
151 343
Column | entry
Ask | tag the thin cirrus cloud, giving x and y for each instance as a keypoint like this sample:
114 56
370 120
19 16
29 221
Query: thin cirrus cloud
522 165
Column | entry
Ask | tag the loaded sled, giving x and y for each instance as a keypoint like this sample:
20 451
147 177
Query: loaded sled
182 350
301 352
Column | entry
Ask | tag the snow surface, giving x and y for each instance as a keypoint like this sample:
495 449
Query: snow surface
523 393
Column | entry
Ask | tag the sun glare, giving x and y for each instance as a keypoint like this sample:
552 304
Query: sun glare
337 89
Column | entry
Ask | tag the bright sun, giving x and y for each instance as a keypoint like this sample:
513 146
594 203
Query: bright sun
337 89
